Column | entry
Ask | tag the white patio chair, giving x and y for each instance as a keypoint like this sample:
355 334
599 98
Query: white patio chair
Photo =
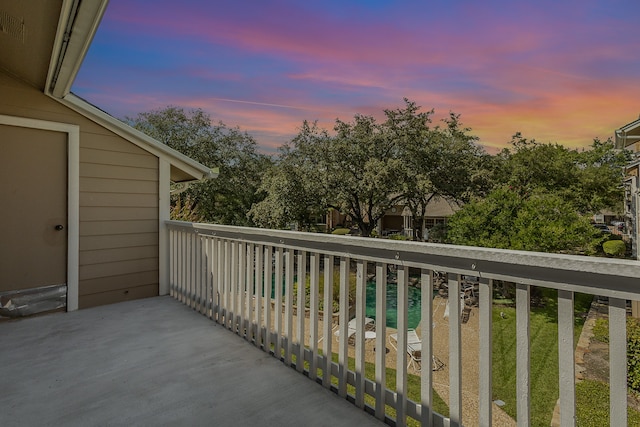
414 350
369 327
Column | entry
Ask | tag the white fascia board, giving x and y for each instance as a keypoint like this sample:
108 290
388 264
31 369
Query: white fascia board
79 21
196 170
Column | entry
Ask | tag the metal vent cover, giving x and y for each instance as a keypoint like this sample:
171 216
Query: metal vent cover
12 26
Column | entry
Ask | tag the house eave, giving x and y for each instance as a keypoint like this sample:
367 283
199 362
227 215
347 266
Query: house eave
78 23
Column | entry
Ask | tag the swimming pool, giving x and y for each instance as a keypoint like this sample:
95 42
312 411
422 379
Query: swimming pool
414 308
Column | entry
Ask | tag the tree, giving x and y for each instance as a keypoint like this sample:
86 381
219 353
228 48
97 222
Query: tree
539 221
588 179
291 194
439 162
228 198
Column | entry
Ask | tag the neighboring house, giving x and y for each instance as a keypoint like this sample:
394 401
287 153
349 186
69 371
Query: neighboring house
628 137
398 219
84 196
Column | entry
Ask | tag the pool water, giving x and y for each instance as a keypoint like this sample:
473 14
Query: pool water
414 308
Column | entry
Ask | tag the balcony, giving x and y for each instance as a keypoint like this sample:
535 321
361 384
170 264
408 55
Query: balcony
153 362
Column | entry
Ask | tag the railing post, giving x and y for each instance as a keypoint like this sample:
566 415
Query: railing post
523 391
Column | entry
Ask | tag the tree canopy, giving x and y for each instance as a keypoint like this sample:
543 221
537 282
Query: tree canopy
543 198
228 198
365 167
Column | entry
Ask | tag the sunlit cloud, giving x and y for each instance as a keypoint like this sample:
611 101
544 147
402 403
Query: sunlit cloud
556 71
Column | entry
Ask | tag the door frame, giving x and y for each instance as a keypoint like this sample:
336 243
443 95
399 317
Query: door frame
73 194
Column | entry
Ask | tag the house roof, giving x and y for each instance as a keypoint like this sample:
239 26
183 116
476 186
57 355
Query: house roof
43 43
628 134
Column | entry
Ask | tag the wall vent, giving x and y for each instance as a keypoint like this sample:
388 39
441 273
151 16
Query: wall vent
12 26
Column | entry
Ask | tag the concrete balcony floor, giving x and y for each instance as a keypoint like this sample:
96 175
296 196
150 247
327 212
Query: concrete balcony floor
152 362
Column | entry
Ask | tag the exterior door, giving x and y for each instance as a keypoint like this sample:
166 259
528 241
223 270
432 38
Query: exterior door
33 208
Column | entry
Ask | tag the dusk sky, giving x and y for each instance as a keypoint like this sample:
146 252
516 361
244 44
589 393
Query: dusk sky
557 71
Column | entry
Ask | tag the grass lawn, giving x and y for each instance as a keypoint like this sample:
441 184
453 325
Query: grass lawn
544 355
592 405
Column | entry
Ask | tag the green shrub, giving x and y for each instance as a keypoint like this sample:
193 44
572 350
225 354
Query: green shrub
614 247
633 354
398 237
340 231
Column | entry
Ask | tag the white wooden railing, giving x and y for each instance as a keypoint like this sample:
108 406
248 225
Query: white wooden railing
227 274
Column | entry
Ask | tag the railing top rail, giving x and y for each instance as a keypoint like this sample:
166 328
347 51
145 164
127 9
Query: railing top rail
617 278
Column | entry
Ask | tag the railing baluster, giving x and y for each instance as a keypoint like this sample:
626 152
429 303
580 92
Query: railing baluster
344 320
361 296
220 280
401 365
193 247
268 284
288 304
523 296
242 288
302 289
233 285
184 266
567 362
313 313
172 263
485 349
225 284
381 339
202 242
211 272
426 373
259 276
249 322
455 353
277 308
618 361
327 320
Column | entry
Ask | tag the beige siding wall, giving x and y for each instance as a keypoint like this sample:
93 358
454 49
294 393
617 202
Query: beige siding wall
118 202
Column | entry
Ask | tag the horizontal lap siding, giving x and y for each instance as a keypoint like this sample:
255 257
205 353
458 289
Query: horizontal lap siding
118 221
118 202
